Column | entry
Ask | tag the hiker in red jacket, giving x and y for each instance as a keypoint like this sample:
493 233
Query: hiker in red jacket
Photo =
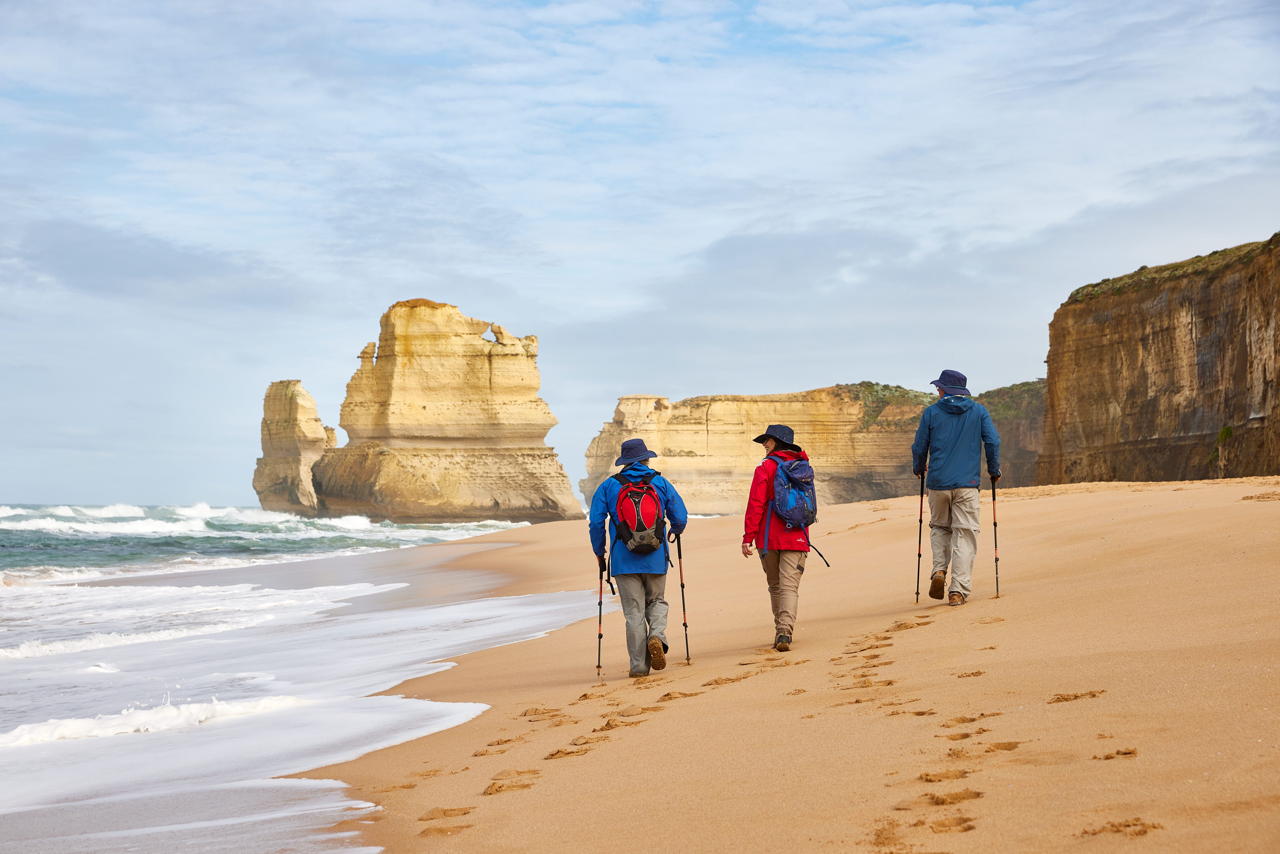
783 550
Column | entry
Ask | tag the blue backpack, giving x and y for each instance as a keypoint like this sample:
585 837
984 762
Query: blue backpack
794 499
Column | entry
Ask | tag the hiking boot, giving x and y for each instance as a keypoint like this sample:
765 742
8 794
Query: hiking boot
936 582
956 599
782 643
657 655
637 674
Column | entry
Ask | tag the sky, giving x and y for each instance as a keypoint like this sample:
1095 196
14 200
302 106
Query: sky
679 198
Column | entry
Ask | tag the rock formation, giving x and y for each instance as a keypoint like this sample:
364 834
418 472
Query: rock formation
292 440
1018 412
444 424
1168 373
859 437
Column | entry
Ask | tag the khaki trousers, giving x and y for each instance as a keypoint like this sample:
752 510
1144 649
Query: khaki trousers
953 534
646 613
782 570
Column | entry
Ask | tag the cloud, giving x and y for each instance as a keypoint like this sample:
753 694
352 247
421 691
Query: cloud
263 179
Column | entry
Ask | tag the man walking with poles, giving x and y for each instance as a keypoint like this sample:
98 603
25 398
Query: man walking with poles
637 502
948 446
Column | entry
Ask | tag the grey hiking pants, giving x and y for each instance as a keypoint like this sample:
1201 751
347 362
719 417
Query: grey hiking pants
646 613
782 572
953 534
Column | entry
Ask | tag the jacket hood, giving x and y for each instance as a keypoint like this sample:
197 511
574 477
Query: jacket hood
955 404
790 455
637 471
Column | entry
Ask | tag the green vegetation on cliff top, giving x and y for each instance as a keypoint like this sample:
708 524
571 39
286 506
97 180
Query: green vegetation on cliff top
1020 400
1145 277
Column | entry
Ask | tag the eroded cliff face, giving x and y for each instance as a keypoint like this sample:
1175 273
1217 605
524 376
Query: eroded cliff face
1018 413
293 438
859 437
1169 373
444 424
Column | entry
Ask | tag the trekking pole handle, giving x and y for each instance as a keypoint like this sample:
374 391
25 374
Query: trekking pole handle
673 537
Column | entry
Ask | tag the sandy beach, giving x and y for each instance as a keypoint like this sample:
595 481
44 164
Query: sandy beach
1120 694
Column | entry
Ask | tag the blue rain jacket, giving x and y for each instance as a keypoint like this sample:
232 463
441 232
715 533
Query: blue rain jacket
603 504
950 439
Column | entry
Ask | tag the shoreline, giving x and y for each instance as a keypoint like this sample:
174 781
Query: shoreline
553 740
287 670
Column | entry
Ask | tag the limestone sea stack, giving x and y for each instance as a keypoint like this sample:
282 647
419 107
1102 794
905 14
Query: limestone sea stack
859 437
444 424
1168 373
293 438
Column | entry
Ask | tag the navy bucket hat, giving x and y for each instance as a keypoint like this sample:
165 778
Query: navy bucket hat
952 382
633 451
780 433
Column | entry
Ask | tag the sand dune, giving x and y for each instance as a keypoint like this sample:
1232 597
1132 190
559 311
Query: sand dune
1122 694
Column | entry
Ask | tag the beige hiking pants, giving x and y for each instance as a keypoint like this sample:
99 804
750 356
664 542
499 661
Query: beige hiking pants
782 570
953 534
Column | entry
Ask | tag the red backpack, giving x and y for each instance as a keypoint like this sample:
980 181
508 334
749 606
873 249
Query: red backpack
639 515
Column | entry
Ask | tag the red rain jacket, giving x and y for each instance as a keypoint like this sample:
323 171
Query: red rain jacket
759 504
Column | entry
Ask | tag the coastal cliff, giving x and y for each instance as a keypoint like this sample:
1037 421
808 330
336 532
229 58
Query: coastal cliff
1018 413
444 424
293 438
859 437
1169 373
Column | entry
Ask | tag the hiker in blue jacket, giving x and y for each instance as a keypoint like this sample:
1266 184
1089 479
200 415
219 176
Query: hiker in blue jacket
948 446
635 500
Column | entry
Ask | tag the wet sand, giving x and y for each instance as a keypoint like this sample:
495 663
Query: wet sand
1121 694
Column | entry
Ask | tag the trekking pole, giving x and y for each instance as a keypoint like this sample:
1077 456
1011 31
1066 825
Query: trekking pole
600 619
684 611
920 537
995 535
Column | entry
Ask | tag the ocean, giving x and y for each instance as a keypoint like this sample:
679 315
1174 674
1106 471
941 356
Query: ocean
161 667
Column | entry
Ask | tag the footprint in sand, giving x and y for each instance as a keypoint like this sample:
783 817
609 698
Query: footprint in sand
1083 695
634 711
510 780
967 719
430 772
953 824
566 751
536 714
943 776
445 830
985 648
956 736
444 812
1129 827
935 799
487 752
970 674
677 695
1123 753
1003 745
795 692
588 739
395 788
729 680
986 621
892 703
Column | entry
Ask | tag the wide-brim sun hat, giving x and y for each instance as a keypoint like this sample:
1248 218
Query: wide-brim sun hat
780 433
633 451
952 382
